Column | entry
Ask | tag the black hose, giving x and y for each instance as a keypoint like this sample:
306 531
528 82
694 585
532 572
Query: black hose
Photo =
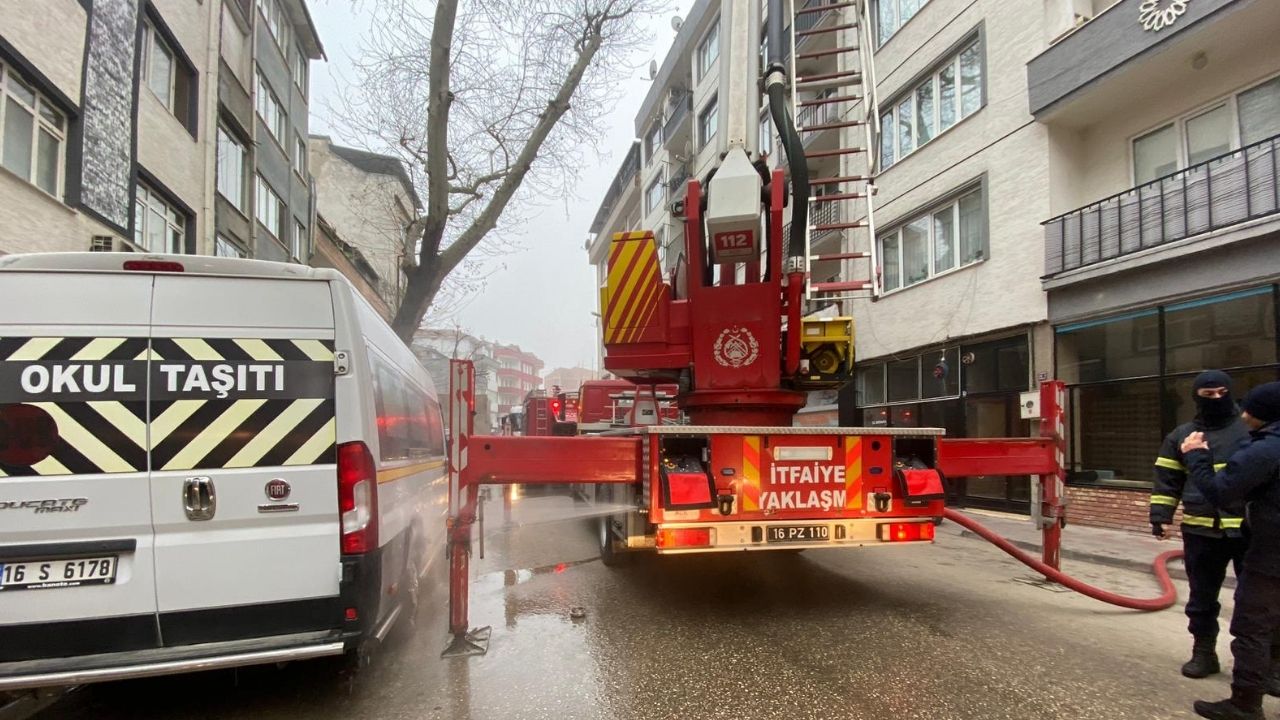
775 69
799 165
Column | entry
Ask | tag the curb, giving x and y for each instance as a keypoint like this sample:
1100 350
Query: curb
1176 570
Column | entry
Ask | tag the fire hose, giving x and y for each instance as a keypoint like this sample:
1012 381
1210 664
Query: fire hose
1168 596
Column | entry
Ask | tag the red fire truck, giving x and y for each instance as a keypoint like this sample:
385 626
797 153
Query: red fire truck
735 330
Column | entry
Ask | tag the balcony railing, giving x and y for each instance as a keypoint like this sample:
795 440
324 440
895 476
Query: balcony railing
1215 194
819 214
680 112
817 115
679 176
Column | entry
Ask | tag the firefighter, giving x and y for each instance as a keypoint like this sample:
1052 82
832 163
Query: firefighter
1211 539
1252 475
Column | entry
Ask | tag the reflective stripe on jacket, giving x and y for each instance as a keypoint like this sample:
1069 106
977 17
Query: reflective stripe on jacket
1171 487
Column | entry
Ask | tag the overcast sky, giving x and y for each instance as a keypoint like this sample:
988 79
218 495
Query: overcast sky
544 296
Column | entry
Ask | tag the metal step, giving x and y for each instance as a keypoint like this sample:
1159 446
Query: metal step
829 100
837 179
839 286
837 226
839 256
833 83
825 7
837 196
820 31
805 79
823 53
834 153
833 126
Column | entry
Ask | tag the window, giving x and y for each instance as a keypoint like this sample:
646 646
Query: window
932 106
157 65
934 242
158 226
707 123
301 68
766 134
222 247
709 50
1259 110
298 243
892 15
1243 119
230 168
169 77
269 208
1155 154
34 134
269 109
652 141
277 21
655 195
300 155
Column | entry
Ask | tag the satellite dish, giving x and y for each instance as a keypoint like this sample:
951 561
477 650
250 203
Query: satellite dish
653 69
676 23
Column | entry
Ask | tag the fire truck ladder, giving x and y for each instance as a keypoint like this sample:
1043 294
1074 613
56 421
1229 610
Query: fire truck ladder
834 103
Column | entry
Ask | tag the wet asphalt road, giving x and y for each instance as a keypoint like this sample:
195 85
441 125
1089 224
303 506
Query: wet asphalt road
942 632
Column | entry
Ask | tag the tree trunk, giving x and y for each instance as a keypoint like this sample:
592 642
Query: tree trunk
424 284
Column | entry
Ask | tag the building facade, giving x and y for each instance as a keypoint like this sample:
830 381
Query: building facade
519 372
156 126
568 379
435 347
369 201
1162 239
1079 189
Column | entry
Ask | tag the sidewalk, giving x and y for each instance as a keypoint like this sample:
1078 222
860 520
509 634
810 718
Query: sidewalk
1080 543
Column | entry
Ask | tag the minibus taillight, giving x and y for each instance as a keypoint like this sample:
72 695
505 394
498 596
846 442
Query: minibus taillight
357 498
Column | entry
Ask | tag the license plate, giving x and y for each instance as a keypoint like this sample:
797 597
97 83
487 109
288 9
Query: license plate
797 533
52 574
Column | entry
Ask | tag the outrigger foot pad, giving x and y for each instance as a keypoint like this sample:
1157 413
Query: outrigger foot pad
475 642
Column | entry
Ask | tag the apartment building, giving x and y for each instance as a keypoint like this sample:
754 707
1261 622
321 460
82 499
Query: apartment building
156 126
1162 235
369 200
568 379
519 372
435 347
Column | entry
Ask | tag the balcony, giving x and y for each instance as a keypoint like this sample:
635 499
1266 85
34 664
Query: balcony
626 174
679 176
1114 56
1216 194
816 115
681 109
819 214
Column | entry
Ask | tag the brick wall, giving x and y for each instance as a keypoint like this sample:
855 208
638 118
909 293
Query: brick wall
1113 508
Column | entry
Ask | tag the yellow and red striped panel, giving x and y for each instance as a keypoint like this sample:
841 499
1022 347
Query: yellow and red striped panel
634 286
853 472
750 484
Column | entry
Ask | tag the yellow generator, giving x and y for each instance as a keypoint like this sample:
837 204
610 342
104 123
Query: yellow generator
826 353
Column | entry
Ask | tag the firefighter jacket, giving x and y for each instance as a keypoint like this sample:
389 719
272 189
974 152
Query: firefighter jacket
1251 476
1199 516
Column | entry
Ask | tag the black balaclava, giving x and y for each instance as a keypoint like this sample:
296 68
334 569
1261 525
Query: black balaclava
1214 412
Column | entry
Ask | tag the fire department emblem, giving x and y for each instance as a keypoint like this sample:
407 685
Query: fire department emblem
736 347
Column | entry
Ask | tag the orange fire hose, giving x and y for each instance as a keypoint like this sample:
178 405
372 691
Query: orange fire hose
1168 597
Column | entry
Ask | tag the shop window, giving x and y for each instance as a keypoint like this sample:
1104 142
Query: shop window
1117 432
997 366
904 379
905 415
1229 331
940 374
1111 349
871 385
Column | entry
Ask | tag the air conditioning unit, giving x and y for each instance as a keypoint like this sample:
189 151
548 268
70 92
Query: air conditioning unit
102 243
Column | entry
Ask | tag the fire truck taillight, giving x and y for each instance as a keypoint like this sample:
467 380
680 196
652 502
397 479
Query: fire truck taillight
906 532
555 407
684 538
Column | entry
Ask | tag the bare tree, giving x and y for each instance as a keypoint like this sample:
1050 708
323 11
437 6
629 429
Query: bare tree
493 105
